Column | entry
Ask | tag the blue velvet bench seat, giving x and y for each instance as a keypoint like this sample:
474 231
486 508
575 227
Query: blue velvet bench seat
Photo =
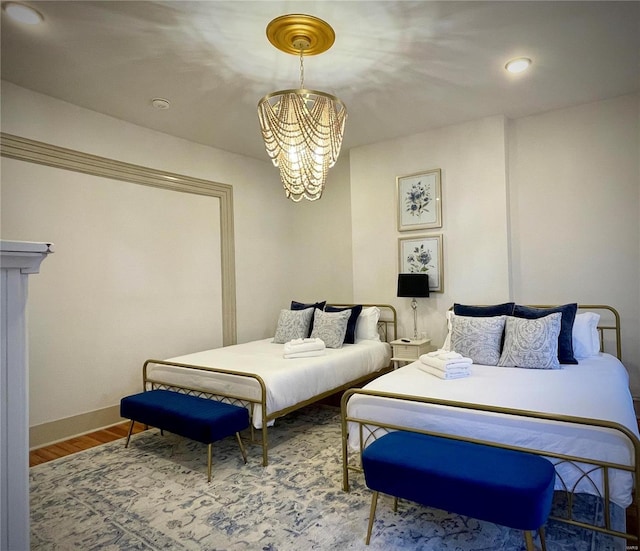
193 417
498 485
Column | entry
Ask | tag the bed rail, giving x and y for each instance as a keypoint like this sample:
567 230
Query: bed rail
370 430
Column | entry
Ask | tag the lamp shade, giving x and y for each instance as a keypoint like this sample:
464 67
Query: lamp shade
413 285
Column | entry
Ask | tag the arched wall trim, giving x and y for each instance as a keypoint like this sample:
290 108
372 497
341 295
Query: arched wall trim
24 149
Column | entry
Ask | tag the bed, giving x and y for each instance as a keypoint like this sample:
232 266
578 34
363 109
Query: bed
580 416
257 376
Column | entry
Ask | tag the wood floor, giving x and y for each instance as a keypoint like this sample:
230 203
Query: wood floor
80 443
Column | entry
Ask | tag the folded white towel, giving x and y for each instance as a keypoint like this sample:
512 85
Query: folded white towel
303 345
450 368
460 368
458 374
307 354
295 342
444 354
445 365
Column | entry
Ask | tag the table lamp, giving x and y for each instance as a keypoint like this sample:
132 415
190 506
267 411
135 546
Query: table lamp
413 285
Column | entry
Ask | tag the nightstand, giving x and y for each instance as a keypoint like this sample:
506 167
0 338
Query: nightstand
409 351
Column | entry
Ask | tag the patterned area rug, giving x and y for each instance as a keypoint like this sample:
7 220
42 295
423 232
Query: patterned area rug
154 495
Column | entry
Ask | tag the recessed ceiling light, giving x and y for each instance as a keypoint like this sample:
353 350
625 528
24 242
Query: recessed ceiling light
23 13
160 103
518 65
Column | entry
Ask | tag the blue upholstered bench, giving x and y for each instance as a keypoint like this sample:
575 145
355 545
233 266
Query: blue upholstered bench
502 486
193 417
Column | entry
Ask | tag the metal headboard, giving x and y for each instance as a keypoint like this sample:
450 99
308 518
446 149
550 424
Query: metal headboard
609 323
388 322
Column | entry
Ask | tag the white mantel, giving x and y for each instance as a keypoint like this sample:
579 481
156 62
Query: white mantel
18 260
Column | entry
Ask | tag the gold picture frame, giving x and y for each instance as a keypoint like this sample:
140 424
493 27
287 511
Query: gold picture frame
419 200
423 255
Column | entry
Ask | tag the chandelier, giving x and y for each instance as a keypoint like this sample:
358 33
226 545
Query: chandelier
302 129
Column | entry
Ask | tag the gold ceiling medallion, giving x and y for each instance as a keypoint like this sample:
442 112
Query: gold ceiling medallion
302 129
285 31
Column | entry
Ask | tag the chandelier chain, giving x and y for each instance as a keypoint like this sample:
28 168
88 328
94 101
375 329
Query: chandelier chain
301 69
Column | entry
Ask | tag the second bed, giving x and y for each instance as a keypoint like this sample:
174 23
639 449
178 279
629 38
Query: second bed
580 416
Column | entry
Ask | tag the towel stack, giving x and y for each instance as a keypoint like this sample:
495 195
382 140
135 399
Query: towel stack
444 364
304 348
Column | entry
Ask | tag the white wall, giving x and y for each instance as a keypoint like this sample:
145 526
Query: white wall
283 250
323 239
263 230
472 158
262 224
575 197
133 267
543 209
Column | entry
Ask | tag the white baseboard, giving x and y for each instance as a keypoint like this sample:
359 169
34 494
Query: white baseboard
69 427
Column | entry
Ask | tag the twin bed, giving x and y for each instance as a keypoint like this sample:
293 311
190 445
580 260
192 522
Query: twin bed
580 416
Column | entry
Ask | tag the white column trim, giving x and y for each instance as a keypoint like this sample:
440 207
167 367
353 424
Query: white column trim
18 261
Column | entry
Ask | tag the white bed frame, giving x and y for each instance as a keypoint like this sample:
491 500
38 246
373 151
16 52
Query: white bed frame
387 328
609 338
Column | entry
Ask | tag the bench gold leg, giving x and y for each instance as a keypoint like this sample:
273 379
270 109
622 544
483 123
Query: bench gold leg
243 451
209 462
372 514
543 543
528 539
126 444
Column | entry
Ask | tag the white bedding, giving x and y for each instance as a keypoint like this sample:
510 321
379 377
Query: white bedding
596 388
288 381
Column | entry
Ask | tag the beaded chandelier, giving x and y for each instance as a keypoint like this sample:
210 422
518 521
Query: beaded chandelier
302 129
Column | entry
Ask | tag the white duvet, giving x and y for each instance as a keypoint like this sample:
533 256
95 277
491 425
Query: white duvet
288 381
596 388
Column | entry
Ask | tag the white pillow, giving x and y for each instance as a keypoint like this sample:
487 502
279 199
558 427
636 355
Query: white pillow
531 343
447 341
586 340
478 338
293 324
367 324
330 327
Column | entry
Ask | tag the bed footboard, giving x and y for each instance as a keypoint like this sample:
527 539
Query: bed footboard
598 473
236 398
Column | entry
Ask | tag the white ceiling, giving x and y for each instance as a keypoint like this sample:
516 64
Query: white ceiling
400 67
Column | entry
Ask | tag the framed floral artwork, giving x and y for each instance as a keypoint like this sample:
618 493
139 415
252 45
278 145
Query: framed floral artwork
419 198
423 255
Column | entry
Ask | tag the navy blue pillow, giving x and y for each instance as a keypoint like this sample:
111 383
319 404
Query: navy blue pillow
350 336
565 339
295 305
505 309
